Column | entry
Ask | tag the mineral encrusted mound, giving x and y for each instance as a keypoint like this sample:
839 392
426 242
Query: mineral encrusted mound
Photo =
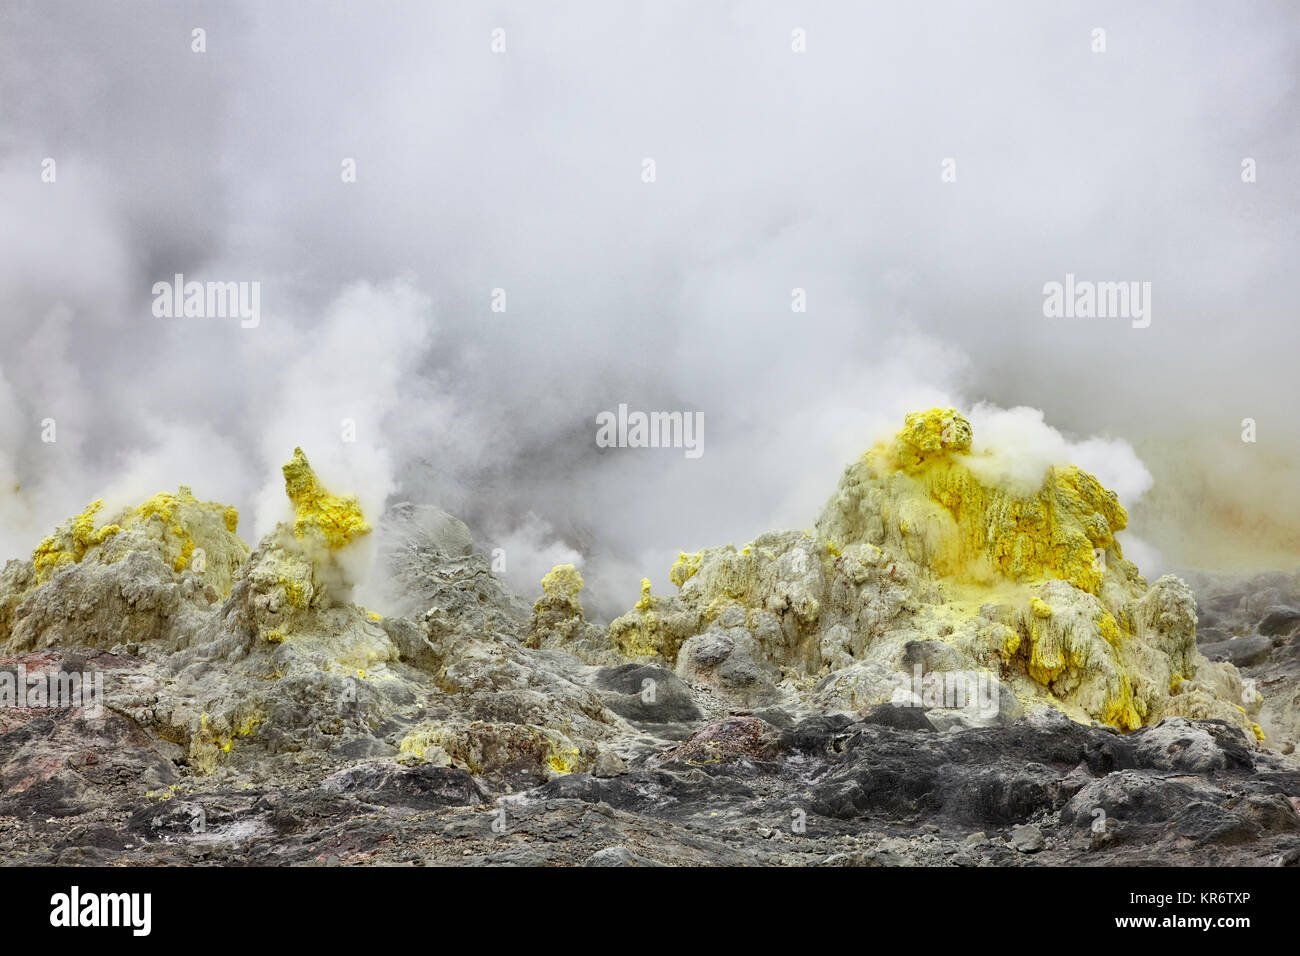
926 561
251 665
149 573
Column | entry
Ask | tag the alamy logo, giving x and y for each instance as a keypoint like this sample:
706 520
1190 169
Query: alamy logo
651 430
103 909
208 300
1098 300
949 690
53 689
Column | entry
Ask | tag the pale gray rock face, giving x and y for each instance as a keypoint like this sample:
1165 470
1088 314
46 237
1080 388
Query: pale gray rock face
137 599
730 662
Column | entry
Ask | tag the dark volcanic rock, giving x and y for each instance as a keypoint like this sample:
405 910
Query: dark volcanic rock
424 786
1210 823
1241 651
1130 796
1279 620
645 693
60 763
901 718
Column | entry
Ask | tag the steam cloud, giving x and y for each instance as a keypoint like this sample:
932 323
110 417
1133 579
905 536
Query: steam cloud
522 171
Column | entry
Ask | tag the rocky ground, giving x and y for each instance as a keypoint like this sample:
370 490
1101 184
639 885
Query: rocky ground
770 713
1250 621
697 784
881 788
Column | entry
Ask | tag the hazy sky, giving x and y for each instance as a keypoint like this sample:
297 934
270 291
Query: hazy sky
522 170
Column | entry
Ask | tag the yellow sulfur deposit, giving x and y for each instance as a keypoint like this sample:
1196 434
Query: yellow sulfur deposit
932 539
638 633
1062 531
165 506
561 584
479 747
186 533
1120 710
70 542
646 601
685 568
927 435
558 617
338 518
1109 629
560 759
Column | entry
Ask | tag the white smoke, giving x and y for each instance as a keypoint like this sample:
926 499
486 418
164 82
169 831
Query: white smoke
776 171
529 550
1013 448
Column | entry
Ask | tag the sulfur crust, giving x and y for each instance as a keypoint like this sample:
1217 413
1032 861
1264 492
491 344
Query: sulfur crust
337 518
1027 580
174 516
69 545
1061 532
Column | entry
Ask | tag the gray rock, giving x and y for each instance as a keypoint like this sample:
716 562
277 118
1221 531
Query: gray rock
1241 651
1256 605
1179 744
730 661
903 718
608 764
423 786
647 693
1208 823
1279 620
1027 839
1211 635
1132 796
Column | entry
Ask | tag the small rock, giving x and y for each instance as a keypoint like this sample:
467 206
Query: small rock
976 838
1100 838
608 764
618 856
1027 839
1211 635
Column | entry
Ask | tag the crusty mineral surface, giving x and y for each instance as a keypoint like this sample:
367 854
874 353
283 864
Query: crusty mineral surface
948 668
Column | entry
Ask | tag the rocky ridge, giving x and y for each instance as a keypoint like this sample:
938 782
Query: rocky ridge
945 669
